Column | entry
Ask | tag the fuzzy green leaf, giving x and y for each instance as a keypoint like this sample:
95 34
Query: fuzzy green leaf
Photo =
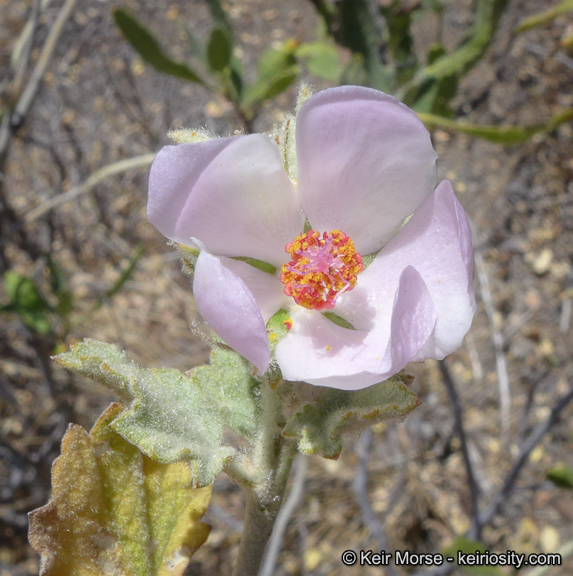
147 46
228 382
170 417
319 426
104 363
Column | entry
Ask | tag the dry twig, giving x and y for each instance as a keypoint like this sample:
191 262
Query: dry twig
497 337
291 503
360 487
97 177
459 426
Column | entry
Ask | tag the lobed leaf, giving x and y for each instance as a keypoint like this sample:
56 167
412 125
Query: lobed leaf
170 417
229 383
319 425
115 511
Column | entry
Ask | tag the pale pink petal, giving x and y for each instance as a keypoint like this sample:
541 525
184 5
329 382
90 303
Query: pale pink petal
322 353
437 243
265 288
365 162
230 309
231 193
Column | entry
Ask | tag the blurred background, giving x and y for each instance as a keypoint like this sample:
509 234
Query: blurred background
88 92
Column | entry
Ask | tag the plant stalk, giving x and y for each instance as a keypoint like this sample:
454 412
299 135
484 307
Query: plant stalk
272 461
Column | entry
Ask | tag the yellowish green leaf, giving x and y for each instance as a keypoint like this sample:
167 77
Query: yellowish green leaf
499 134
116 511
319 425
544 17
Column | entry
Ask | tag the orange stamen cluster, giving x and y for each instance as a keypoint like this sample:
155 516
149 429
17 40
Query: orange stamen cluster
321 269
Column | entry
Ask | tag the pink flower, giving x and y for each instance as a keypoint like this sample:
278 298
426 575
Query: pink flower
365 163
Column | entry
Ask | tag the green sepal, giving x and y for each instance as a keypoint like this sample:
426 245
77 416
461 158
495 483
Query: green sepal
278 327
320 425
170 417
258 264
338 320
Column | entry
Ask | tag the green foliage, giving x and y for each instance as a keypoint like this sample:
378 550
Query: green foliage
322 60
229 384
439 79
400 40
146 45
318 426
358 31
173 416
466 546
60 288
338 320
26 300
222 72
195 45
277 70
219 16
113 510
544 17
170 419
561 476
219 50
499 134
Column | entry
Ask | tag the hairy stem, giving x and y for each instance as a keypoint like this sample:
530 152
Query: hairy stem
272 461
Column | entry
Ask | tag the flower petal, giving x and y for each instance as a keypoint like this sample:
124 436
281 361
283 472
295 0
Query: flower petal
266 289
230 309
365 162
231 193
322 353
436 241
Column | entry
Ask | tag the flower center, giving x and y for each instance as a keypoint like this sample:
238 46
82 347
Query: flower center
321 268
